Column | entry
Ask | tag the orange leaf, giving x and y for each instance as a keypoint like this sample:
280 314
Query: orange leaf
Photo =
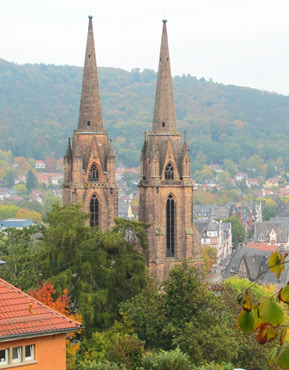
266 333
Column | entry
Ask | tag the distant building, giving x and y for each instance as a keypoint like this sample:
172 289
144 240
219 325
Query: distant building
248 262
252 183
272 233
240 176
215 167
39 164
31 333
218 235
18 223
20 178
272 182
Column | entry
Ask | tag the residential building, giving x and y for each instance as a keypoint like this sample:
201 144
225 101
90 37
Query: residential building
272 233
249 263
273 182
31 334
240 176
218 235
39 164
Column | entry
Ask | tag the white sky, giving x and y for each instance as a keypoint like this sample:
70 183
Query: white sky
242 42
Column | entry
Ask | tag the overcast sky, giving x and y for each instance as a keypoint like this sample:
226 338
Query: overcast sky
244 42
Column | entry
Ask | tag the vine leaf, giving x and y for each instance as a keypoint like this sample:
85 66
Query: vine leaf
283 335
276 263
284 294
266 333
246 321
270 312
283 357
272 355
247 305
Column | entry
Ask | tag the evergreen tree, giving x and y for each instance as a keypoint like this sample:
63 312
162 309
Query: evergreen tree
31 180
100 269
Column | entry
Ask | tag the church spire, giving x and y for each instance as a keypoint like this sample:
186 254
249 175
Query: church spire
164 111
90 118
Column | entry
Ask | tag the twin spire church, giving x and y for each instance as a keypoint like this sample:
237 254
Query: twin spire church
165 187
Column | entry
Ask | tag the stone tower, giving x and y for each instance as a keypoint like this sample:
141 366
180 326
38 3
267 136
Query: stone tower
165 188
89 164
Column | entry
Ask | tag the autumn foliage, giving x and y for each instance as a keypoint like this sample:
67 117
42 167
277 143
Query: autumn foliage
46 295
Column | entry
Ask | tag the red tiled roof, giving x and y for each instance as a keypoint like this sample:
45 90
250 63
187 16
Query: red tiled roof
21 315
263 246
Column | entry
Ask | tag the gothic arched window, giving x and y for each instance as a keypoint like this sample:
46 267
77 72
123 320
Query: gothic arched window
169 172
170 226
93 173
94 211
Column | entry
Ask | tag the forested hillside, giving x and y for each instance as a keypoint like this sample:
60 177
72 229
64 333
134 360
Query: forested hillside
39 108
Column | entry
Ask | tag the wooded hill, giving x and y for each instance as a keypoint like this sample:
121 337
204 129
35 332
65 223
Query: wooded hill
39 109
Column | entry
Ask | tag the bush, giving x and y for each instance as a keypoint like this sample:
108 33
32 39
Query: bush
91 365
167 360
213 366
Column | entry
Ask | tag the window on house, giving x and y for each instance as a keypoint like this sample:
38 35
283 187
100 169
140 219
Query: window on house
164 124
29 352
170 226
16 354
3 356
88 123
169 172
93 173
94 211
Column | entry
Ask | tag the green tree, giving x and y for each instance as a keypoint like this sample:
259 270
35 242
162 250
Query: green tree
24 253
21 189
268 209
8 211
238 230
9 178
100 269
31 180
184 313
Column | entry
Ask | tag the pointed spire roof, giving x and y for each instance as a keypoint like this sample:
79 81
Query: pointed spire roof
185 147
164 111
90 117
68 153
110 149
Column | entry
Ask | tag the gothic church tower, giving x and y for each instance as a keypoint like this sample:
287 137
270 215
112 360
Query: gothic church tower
89 164
165 188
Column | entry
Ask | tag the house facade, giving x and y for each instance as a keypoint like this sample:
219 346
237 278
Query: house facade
31 334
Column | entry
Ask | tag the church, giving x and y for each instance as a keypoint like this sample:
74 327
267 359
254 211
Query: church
165 187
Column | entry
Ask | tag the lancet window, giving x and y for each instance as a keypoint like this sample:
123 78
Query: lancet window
94 211
170 226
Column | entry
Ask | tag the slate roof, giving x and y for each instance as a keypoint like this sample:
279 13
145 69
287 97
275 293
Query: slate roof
212 226
200 225
220 212
256 261
200 208
264 228
22 315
